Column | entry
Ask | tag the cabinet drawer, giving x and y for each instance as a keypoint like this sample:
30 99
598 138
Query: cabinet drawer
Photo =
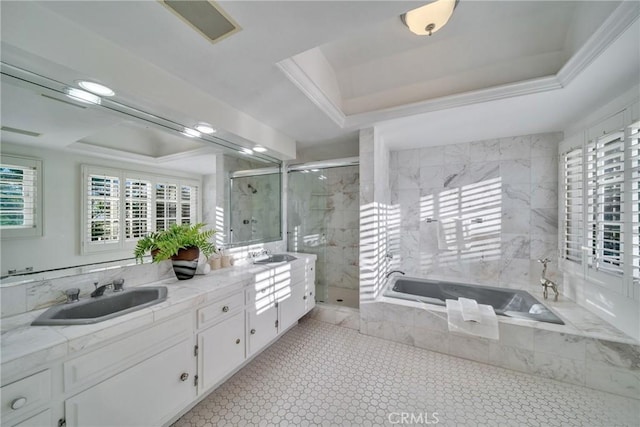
26 394
40 420
220 310
115 357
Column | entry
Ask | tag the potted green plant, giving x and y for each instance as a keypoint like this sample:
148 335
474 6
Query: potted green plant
181 243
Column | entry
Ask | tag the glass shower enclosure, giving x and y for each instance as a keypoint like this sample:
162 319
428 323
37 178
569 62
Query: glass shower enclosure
323 218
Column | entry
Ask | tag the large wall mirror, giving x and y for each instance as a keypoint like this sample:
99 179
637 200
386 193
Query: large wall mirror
69 136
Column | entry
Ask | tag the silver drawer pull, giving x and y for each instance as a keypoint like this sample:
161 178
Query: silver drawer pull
238 341
253 331
18 403
304 297
225 308
184 376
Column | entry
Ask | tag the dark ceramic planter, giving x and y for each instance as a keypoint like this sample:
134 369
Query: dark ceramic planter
185 262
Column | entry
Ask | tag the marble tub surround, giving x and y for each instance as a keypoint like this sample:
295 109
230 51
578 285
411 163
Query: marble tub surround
25 347
504 191
585 351
347 317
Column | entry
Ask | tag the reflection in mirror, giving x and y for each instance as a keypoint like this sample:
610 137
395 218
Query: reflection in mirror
39 121
254 200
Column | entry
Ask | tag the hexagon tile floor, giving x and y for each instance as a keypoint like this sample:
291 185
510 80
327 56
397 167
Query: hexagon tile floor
321 374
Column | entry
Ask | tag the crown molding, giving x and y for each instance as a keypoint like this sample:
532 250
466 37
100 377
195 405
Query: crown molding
614 26
116 154
309 87
527 87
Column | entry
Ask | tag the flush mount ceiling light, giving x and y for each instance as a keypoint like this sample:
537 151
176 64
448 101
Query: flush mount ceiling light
246 151
191 133
82 96
205 128
96 88
429 18
259 149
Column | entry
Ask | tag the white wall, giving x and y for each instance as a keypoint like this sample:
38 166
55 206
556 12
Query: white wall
59 246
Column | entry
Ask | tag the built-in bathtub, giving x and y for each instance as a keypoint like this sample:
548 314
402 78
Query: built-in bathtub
505 302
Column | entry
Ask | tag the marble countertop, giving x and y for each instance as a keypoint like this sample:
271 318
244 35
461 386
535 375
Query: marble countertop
24 347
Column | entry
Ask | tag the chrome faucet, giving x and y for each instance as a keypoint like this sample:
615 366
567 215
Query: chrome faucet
99 289
547 283
394 271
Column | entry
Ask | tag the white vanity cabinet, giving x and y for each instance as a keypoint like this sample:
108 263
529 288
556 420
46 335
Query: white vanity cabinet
298 299
21 398
143 379
278 299
221 340
147 394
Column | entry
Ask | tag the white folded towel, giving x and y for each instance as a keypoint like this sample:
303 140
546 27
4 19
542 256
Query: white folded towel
470 310
486 328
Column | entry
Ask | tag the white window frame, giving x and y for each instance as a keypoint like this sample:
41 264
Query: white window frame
620 283
122 243
36 229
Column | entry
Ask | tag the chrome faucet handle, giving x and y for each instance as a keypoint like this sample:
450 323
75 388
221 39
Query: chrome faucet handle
118 285
72 294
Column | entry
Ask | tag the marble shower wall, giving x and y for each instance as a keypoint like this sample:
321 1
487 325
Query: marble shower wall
510 184
323 218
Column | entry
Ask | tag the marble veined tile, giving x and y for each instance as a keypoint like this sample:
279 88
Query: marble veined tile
616 354
517 147
514 358
544 195
515 196
457 154
461 174
545 144
544 221
483 151
614 380
559 368
432 156
565 345
515 171
515 246
544 169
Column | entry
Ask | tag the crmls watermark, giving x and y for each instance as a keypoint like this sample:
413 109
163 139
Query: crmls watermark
413 418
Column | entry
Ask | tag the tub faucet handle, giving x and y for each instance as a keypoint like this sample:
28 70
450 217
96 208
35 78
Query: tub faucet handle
72 294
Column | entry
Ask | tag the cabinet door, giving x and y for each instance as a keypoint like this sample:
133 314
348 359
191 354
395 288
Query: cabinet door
262 327
146 394
292 304
221 350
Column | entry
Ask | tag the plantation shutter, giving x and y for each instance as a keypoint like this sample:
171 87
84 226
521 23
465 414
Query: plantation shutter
634 154
572 162
103 205
605 189
166 205
188 204
18 195
138 208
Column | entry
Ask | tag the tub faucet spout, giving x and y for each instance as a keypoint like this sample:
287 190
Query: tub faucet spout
394 271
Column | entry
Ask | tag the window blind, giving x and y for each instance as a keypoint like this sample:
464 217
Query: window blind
138 208
605 188
572 162
18 196
166 205
634 154
103 204
188 204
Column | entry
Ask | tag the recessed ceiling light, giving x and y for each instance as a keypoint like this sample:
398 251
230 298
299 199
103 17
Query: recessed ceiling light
96 88
246 151
205 128
191 133
82 96
315 170
259 149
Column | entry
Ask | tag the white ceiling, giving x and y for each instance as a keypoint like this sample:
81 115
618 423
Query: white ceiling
378 71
